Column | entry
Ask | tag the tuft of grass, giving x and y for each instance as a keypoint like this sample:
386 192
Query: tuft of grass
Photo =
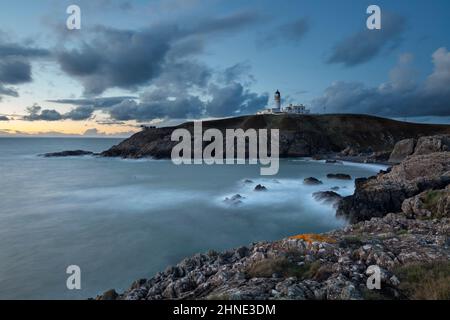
267 267
425 281
351 241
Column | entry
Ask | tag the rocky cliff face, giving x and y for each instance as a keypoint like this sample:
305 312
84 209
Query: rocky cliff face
424 170
305 135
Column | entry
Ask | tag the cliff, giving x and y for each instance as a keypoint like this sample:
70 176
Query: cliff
300 135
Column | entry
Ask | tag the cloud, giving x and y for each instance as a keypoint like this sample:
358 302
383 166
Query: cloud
365 45
15 65
130 59
37 113
14 71
401 96
94 102
291 32
7 92
234 99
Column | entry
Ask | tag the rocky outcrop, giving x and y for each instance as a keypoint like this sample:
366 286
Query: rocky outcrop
300 135
70 153
331 266
424 145
384 193
430 204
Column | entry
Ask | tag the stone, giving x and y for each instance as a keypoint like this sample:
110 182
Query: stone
341 176
260 187
402 149
312 181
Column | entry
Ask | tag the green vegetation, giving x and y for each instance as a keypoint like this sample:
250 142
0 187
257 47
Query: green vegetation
425 281
267 267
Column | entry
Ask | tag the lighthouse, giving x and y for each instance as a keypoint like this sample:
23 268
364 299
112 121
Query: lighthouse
277 102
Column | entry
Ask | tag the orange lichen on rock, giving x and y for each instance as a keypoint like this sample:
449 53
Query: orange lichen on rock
311 237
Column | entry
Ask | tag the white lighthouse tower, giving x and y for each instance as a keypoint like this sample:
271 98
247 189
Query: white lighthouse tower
277 102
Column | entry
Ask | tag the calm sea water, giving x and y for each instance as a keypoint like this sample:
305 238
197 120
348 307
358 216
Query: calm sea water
121 220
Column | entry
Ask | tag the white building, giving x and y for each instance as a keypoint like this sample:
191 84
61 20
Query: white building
278 109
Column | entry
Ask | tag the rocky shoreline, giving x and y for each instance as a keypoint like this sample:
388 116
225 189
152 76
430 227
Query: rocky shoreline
400 222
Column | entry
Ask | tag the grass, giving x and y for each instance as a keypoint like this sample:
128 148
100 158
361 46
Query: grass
425 281
267 267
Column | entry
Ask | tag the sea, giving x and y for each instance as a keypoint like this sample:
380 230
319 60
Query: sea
121 220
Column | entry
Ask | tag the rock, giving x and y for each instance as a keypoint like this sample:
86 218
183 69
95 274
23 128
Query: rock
332 161
328 197
109 295
428 204
341 176
72 153
431 144
402 149
384 193
260 187
349 151
336 188
312 181
248 181
234 200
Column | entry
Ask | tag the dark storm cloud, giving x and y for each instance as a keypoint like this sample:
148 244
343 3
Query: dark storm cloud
17 50
400 97
15 65
129 59
291 32
14 71
363 46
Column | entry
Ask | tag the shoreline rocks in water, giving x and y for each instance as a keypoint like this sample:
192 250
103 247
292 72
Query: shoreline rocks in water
327 197
235 200
260 187
340 176
312 181
69 153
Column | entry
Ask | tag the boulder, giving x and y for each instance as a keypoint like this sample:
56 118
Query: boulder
341 176
312 181
402 149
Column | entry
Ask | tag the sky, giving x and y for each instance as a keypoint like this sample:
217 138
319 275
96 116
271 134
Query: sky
167 61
